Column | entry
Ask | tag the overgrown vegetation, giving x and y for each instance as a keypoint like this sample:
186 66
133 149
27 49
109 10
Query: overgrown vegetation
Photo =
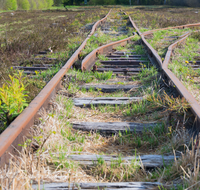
12 98
132 2
57 142
25 4
100 38
45 156
153 17
182 64
20 40
161 40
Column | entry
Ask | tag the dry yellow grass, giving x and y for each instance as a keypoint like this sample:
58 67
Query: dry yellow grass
33 167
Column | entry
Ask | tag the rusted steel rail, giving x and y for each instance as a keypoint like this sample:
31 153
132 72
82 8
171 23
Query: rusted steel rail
175 27
19 128
179 86
195 107
153 52
87 62
90 58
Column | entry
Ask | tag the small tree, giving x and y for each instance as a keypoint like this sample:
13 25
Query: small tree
24 4
41 4
192 3
65 3
49 3
45 4
11 5
33 4
2 3
68 2
57 2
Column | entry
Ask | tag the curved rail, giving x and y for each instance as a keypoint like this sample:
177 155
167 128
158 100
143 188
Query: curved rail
90 58
88 61
195 107
15 132
175 27
19 128
180 87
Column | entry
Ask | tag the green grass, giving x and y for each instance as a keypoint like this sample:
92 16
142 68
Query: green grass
181 67
88 76
101 39
52 8
63 41
146 75
156 107
160 42
148 139
48 74
102 57
136 108
4 11
103 75
61 7
116 169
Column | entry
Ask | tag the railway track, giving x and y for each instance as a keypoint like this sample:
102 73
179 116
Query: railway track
113 100
164 65
115 92
39 64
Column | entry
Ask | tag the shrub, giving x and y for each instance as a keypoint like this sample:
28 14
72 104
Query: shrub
45 5
13 98
24 4
42 4
58 2
33 4
49 3
11 4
